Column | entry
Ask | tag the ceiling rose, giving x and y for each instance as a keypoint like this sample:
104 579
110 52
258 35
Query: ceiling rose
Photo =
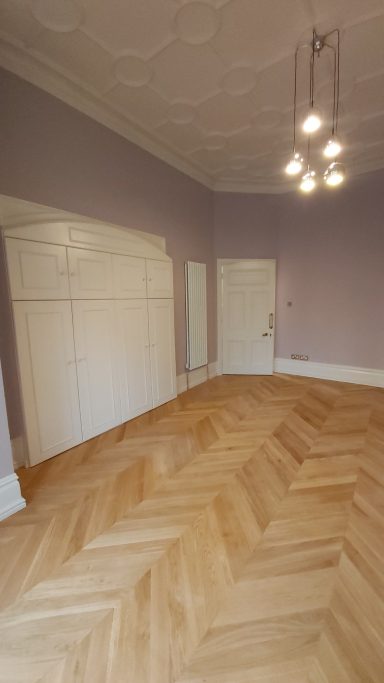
62 16
132 71
196 23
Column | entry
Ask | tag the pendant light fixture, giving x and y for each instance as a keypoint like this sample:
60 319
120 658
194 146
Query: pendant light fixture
335 173
295 164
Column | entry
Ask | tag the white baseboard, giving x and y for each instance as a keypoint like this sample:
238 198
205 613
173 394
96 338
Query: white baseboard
339 373
212 370
197 376
188 380
181 383
18 452
11 500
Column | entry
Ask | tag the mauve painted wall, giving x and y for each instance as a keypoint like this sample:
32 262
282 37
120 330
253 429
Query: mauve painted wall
330 263
54 155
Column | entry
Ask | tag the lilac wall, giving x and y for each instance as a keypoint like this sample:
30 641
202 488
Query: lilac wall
54 155
330 263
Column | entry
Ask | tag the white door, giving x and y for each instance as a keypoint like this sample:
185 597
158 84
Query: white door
48 377
129 277
90 274
37 271
248 312
135 368
160 279
162 348
97 365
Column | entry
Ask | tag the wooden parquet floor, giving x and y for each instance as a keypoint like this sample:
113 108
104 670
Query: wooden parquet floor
235 535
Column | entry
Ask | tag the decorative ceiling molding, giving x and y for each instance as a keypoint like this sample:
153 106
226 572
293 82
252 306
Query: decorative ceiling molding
204 85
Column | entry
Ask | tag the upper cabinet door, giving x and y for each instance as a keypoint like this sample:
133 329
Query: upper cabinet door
97 365
162 350
90 274
160 279
36 270
129 276
46 353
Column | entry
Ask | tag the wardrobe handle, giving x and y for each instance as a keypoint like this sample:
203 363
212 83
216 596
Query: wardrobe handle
71 362
81 360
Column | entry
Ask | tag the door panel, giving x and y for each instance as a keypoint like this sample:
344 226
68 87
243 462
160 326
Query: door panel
248 289
160 279
135 369
37 271
48 377
90 274
162 348
97 364
129 276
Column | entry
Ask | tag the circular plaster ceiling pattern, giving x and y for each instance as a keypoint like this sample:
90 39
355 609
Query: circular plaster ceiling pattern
268 118
179 112
215 142
132 71
239 81
196 23
62 16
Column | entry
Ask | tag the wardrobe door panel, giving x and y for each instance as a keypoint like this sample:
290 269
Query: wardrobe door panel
135 369
160 279
48 377
97 365
129 276
37 271
90 274
162 350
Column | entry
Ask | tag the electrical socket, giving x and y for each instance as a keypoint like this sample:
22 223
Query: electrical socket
299 356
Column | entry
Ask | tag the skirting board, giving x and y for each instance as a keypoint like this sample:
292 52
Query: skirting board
11 500
187 380
339 373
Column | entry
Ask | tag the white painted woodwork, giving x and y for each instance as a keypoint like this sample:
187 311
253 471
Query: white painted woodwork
24 220
90 274
134 359
159 279
129 277
85 357
248 311
162 348
44 333
97 365
37 271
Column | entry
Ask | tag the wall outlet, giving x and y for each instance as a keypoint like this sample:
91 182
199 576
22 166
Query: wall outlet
299 356
303 357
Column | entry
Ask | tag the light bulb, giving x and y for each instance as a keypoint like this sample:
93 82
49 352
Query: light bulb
308 181
335 174
313 121
295 164
332 148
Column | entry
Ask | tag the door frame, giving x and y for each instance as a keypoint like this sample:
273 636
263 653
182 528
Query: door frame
219 289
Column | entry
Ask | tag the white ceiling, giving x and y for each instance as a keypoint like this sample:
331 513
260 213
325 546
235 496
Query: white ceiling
206 85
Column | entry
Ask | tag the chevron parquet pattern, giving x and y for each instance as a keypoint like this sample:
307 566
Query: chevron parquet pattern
233 536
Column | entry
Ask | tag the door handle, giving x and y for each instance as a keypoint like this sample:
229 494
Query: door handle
265 334
271 321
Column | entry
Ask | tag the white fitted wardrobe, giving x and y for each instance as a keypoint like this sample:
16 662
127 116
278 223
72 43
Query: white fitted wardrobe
94 321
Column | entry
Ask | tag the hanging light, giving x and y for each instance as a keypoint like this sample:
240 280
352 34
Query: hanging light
335 174
295 164
313 121
332 149
308 182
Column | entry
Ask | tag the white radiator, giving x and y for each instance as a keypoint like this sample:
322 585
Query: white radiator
196 313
